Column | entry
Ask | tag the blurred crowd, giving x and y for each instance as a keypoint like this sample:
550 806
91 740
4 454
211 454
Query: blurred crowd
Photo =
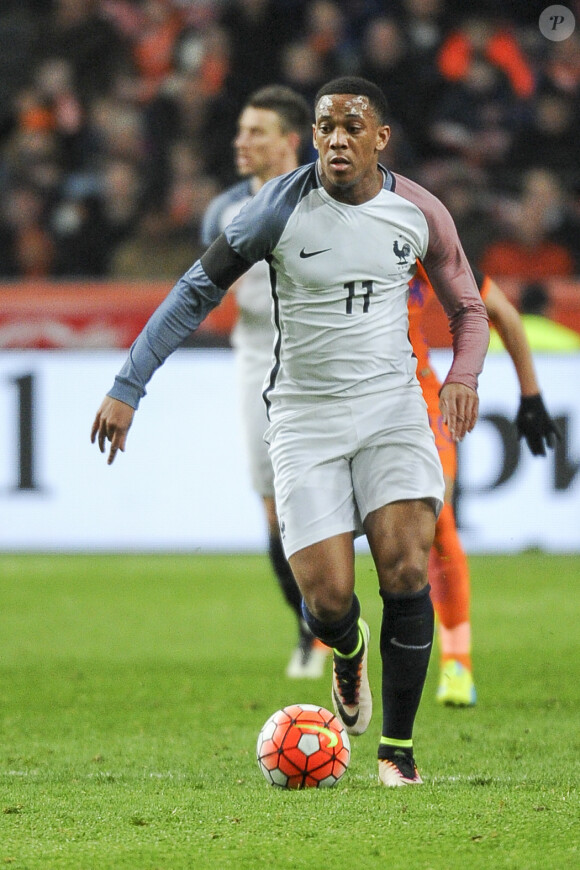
117 119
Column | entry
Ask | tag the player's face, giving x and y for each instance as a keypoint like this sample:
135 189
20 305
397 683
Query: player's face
260 145
349 137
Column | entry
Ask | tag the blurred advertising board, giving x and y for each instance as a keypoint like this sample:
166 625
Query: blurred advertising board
91 314
183 485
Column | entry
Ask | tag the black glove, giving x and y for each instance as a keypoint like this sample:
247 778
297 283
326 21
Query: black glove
535 425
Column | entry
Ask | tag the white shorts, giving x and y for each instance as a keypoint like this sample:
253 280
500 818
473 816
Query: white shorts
251 370
335 462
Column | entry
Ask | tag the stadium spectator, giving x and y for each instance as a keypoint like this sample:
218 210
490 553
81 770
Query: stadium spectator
94 216
121 199
531 248
79 31
30 248
548 137
387 60
79 232
196 104
302 68
33 157
255 53
556 202
559 66
164 240
153 44
475 116
562 66
465 190
481 36
153 252
425 27
189 193
51 103
19 29
326 32
117 131
29 180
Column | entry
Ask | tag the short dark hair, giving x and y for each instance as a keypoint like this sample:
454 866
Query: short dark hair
293 110
360 87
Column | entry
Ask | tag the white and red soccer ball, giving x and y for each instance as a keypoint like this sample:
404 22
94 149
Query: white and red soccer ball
303 746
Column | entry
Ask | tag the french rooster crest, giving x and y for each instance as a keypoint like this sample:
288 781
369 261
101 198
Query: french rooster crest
402 253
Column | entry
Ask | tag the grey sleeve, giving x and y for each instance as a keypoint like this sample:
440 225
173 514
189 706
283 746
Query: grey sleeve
256 230
250 237
181 312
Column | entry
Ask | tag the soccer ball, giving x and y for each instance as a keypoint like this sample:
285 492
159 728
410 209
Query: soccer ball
303 746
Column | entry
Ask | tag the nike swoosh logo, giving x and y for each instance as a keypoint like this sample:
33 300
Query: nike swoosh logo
312 726
347 720
304 255
395 642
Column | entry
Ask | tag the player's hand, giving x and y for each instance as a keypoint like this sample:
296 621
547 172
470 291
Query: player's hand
112 423
459 406
535 425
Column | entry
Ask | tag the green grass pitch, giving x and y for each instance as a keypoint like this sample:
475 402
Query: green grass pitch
132 690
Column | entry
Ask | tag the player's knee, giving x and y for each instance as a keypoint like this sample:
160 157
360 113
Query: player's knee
327 604
405 577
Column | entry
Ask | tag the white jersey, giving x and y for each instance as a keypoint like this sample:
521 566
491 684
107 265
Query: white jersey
339 279
347 335
340 276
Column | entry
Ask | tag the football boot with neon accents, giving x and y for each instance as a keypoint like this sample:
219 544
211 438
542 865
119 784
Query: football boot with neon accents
351 692
399 769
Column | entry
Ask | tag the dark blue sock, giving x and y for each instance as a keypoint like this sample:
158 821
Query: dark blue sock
284 574
341 635
406 641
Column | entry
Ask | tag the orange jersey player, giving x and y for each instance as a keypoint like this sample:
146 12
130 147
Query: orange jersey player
448 567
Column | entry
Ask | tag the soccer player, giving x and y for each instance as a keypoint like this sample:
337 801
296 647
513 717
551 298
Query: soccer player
272 131
349 434
448 569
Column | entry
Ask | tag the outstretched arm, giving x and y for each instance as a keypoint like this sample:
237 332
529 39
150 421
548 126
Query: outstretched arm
533 421
181 312
250 237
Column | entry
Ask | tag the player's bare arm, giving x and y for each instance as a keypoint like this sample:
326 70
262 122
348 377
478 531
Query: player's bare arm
112 423
508 323
459 407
